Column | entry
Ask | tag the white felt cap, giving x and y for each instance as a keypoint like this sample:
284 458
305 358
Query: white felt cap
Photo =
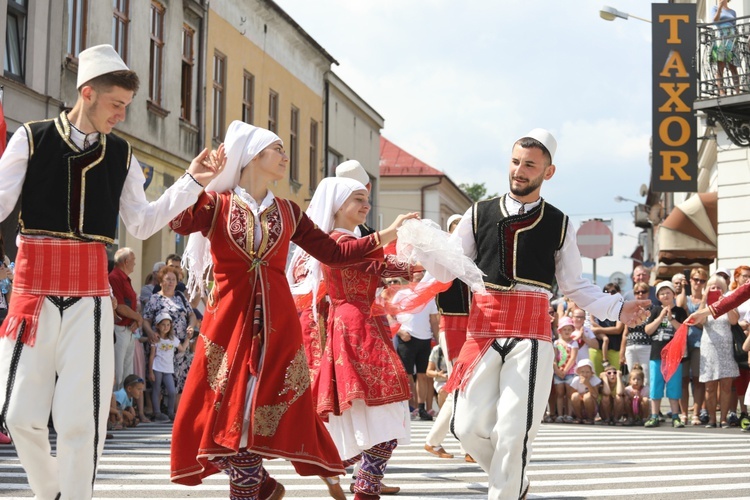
546 138
353 170
451 220
96 61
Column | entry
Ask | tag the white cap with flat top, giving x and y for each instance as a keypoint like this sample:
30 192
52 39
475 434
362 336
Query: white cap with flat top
354 170
96 61
546 138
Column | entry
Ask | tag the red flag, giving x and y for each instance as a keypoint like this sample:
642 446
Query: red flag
672 353
3 129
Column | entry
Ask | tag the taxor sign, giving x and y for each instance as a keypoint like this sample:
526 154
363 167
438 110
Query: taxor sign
675 157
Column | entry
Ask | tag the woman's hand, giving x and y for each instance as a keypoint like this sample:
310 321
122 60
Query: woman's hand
206 166
634 312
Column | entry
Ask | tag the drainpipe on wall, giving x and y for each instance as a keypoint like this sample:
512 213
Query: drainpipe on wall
421 195
201 83
326 96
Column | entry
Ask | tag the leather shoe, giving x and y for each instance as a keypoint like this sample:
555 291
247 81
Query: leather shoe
334 487
278 492
469 459
438 451
384 490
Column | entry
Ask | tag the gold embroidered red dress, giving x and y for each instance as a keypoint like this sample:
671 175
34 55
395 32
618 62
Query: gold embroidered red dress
250 329
362 387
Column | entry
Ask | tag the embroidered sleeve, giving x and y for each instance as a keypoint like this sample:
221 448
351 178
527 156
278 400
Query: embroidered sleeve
199 217
327 250
726 304
388 266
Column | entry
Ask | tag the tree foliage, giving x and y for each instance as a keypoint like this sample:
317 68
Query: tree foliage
476 191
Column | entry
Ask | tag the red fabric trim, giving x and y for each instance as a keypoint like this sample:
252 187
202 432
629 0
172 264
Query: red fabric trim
454 328
51 266
496 315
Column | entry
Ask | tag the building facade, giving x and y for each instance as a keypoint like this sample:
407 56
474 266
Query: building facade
407 184
266 70
353 133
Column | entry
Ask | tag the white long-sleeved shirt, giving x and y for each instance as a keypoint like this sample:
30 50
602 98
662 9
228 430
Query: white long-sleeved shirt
141 217
567 267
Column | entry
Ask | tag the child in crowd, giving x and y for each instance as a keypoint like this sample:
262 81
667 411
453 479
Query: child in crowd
161 365
566 352
664 321
586 392
437 369
612 405
132 390
114 423
636 396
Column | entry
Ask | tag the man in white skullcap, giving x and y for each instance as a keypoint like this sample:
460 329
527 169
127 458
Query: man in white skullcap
354 170
74 177
503 374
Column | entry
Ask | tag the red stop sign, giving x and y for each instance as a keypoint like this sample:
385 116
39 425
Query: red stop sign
594 239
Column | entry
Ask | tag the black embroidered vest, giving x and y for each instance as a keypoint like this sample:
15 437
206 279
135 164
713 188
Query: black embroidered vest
68 192
513 249
455 301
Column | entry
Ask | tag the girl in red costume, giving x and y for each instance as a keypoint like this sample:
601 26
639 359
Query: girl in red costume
361 388
247 395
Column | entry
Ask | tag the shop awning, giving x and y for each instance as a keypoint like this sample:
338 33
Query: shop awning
687 237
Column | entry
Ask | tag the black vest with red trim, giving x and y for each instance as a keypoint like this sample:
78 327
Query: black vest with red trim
68 192
455 301
517 249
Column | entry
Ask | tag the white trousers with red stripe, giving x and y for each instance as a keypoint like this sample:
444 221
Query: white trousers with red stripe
497 416
66 349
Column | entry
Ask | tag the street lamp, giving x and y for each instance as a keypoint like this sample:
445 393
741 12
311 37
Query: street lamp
626 234
610 14
619 199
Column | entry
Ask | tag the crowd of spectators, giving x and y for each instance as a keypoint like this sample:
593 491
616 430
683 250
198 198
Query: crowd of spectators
155 331
608 373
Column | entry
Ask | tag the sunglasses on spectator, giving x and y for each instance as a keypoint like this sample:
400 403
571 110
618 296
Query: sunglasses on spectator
579 317
611 372
640 292
698 280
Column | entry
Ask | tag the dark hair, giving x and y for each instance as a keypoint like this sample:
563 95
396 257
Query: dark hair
611 287
2 248
173 256
528 142
132 379
125 79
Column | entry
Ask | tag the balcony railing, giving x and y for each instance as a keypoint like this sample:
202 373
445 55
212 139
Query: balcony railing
723 46
724 77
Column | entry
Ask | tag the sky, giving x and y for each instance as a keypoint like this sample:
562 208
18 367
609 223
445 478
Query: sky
459 82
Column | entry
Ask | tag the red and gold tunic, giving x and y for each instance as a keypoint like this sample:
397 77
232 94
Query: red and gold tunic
250 329
359 361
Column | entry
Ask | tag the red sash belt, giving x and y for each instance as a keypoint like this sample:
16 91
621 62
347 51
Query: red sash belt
454 328
51 266
496 315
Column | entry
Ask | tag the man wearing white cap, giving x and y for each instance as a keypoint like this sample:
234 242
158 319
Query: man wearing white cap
354 170
74 177
522 244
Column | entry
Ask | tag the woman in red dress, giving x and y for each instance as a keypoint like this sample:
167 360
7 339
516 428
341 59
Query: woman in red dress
247 394
361 389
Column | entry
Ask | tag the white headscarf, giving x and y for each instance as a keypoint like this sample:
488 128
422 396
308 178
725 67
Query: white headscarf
242 143
329 196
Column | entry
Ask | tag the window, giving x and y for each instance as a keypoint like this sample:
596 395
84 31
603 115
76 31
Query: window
313 155
15 40
294 145
188 61
248 93
120 22
273 112
156 53
219 85
77 10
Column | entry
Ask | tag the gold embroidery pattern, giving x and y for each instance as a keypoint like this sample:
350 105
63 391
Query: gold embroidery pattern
267 419
216 365
296 380
240 219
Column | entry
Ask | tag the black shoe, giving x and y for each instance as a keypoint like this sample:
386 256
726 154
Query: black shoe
423 415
